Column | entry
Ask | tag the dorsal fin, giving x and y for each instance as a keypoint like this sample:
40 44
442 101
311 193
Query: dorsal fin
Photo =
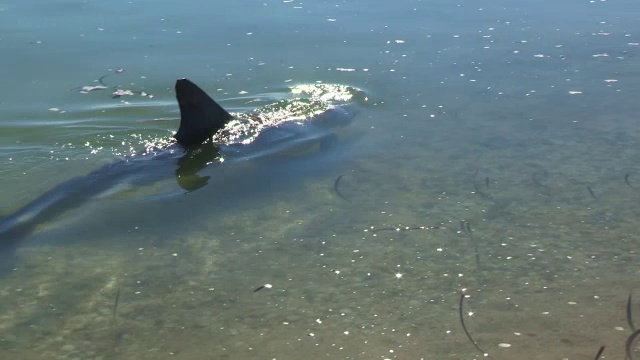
200 115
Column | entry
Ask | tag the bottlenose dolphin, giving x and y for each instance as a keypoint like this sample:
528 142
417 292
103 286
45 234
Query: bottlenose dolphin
207 134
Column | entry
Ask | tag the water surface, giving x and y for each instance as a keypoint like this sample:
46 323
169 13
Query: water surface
516 118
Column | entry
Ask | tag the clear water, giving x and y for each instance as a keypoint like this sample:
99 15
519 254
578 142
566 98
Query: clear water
516 117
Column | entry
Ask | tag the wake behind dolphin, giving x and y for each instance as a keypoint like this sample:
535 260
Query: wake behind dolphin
207 134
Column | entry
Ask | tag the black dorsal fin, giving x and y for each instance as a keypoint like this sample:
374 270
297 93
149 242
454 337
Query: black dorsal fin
200 115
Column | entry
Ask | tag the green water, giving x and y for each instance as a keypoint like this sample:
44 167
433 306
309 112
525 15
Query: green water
518 118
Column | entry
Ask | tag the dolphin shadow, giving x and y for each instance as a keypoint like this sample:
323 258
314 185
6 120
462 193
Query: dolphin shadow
190 164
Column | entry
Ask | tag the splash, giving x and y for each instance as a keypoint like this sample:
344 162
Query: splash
301 103
311 100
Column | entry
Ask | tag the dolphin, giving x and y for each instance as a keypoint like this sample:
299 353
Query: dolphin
203 138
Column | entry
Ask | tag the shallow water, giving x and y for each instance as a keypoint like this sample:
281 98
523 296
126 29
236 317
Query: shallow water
516 118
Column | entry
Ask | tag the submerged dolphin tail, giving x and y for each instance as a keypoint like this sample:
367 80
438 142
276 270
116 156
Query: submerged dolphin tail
11 233
200 115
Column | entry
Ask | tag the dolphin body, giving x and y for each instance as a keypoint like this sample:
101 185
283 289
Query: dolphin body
201 120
